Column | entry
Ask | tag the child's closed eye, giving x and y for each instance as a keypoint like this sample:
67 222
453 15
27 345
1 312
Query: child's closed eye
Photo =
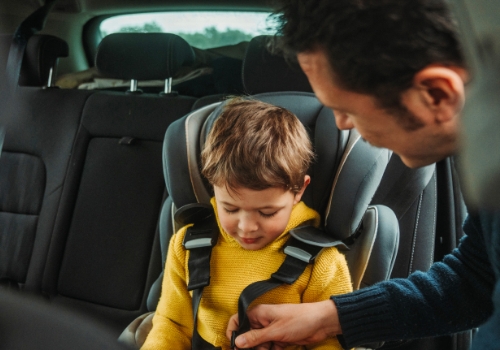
230 211
267 215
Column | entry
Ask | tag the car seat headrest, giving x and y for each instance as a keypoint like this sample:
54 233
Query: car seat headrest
182 154
40 59
264 71
357 178
142 56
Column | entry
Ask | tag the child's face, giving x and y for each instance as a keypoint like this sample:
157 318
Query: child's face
255 218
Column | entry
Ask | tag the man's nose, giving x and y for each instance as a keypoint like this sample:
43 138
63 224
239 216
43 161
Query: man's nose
343 120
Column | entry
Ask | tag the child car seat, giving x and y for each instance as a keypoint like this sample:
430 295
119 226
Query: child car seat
343 180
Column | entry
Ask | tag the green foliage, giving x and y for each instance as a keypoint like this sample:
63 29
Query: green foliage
210 37
151 27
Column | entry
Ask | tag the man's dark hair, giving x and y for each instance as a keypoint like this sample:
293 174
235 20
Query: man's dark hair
374 47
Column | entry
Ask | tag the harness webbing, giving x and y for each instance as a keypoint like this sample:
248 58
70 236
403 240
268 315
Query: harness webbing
289 271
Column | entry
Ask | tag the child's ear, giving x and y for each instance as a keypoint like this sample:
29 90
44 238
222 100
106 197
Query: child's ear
298 195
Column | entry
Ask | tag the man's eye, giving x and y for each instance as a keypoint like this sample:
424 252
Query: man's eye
230 211
264 215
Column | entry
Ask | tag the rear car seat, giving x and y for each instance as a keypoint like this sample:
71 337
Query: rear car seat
101 257
40 126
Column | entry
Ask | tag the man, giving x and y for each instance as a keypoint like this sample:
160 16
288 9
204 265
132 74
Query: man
393 70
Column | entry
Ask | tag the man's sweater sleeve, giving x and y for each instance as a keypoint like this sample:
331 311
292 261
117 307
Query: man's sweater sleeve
454 295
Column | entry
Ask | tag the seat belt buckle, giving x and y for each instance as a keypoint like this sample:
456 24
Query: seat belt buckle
233 340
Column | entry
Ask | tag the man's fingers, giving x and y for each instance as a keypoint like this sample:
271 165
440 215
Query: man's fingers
232 326
265 346
253 338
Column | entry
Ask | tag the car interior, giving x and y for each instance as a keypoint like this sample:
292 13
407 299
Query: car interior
91 177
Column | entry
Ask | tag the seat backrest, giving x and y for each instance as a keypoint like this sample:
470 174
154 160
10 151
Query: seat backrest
40 126
101 258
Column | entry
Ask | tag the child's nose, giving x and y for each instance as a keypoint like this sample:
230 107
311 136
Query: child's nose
247 224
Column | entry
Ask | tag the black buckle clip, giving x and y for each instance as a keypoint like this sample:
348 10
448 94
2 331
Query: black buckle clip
199 238
233 340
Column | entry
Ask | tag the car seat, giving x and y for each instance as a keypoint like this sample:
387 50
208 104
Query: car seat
343 181
28 159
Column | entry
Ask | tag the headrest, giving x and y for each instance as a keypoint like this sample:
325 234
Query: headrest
42 53
267 72
142 56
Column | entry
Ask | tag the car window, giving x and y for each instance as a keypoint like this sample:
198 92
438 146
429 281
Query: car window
201 29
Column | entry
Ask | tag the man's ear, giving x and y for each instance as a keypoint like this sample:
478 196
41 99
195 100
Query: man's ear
437 93
298 195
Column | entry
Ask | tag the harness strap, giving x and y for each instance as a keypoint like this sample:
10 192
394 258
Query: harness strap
197 342
199 240
299 256
199 277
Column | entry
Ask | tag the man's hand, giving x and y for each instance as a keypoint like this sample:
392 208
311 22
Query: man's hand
277 326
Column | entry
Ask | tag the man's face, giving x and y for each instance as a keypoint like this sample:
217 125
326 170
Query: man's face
420 147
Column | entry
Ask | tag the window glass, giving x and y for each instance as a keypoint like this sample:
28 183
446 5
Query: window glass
203 30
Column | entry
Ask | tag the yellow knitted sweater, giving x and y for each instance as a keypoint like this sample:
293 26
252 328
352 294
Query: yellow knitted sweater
232 269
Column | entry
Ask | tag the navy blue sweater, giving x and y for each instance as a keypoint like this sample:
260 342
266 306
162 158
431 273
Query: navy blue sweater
454 295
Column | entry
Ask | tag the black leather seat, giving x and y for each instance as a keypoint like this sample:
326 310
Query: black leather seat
40 126
103 255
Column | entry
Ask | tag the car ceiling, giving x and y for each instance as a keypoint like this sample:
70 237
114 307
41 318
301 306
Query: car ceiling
104 7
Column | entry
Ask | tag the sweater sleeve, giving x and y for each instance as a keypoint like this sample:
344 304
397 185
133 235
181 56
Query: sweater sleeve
454 295
173 320
330 276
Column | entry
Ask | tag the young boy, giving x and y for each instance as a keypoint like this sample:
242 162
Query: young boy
256 158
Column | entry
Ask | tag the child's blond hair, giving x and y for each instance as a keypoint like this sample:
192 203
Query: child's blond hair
256 145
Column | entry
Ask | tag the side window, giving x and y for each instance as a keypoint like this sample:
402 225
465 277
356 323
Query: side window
203 30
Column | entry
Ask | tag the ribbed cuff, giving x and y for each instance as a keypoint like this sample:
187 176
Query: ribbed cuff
365 317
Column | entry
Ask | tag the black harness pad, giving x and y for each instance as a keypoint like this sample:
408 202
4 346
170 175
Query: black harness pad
199 240
316 237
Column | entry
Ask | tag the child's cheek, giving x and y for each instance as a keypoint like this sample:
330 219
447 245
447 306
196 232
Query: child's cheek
227 223
277 226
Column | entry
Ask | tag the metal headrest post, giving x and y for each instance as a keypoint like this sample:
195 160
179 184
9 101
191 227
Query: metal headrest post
49 79
133 85
168 85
